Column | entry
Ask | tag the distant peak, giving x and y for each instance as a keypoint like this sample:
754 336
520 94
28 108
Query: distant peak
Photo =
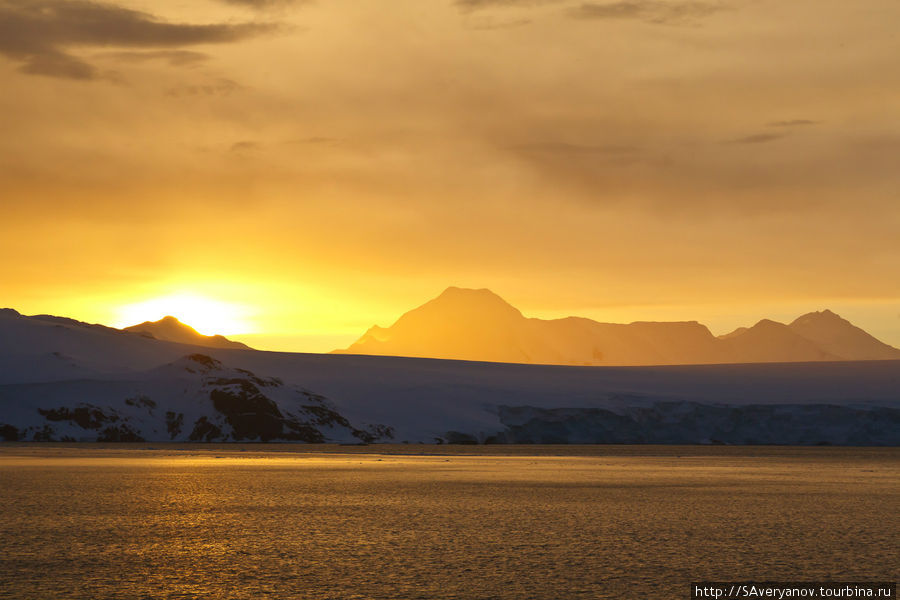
458 291
166 323
471 295
822 316
767 323
477 324
170 329
821 313
457 298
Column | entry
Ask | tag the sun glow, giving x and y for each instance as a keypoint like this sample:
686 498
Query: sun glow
207 316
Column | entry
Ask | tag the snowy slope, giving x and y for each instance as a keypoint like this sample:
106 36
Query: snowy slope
49 349
195 398
65 380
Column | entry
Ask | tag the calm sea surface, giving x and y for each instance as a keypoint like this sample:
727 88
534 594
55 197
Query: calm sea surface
94 521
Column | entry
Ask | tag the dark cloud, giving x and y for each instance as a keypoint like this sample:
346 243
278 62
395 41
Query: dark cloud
651 11
566 148
57 64
759 138
264 4
585 165
41 33
215 87
244 146
606 171
792 123
177 58
471 5
314 140
581 167
493 24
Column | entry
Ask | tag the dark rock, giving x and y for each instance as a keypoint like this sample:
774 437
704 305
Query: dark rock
297 431
174 423
250 414
204 431
9 433
207 361
86 417
268 382
322 415
374 433
456 437
683 422
141 400
43 435
120 433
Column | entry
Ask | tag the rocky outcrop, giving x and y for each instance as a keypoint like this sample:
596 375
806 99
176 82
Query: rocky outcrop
195 398
694 423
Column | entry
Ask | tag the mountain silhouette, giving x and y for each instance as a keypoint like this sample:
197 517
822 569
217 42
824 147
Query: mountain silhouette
478 325
65 380
839 336
770 341
170 329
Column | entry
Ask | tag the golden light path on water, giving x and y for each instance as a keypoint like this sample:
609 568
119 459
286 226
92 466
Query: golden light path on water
433 522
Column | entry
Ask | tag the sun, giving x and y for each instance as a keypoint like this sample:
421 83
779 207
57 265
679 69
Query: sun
206 315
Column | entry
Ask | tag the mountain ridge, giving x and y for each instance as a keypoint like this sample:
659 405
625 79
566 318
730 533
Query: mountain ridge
62 380
170 329
477 324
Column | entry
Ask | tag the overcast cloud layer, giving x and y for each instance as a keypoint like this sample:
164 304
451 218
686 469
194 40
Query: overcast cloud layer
619 159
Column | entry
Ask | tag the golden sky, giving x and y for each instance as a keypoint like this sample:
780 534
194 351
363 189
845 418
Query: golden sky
319 166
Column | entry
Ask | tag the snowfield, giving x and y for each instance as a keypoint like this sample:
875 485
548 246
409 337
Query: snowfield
65 380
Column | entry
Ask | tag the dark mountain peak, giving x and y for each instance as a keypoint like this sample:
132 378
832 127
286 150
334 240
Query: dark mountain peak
170 329
170 321
165 329
8 312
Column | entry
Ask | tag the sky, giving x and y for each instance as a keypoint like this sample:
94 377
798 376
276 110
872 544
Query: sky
290 173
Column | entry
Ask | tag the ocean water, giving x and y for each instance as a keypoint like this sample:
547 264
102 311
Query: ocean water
379 522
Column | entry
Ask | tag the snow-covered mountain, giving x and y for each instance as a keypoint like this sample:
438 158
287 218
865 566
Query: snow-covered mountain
195 398
171 329
469 324
65 380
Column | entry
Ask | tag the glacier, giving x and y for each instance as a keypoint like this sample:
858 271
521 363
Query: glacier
61 380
